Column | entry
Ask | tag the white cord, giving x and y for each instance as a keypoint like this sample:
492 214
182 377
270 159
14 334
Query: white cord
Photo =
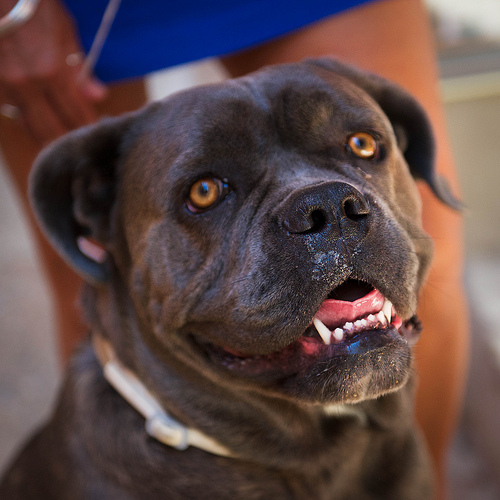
100 38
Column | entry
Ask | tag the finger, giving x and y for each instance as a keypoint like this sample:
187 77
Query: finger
89 85
72 107
93 89
74 96
37 113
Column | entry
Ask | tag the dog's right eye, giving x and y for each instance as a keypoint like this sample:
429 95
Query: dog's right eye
205 193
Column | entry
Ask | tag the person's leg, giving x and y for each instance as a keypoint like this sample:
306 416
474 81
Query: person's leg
19 152
393 38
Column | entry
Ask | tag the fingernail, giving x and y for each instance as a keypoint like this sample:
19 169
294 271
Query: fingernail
94 89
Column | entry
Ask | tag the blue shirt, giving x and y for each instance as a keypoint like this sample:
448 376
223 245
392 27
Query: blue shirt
154 34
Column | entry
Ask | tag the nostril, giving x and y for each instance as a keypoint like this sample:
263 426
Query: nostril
354 209
307 221
318 221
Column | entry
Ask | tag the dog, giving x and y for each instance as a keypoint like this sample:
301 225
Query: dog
253 316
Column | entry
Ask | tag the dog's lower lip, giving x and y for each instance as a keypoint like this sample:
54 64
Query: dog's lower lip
303 355
338 320
311 338
371 323
308 352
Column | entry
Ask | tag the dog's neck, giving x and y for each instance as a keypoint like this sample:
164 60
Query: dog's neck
159 424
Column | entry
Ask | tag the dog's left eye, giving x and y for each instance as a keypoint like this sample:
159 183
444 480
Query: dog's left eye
205 193
363 145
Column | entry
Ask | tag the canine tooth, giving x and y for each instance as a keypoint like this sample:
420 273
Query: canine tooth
381 317
338 334
387 310
323 330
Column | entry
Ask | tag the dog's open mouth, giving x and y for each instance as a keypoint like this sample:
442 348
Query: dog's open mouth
355 318
352 308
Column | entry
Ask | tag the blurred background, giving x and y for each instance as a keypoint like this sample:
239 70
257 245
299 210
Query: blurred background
468 41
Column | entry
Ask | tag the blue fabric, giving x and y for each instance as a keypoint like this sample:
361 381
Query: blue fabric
154 34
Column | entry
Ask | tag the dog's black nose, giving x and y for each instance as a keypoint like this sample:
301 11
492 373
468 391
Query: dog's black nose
333 209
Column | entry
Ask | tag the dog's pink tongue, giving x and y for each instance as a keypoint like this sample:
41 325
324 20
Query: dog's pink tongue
334 313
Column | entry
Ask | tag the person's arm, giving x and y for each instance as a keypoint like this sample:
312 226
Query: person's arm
39 80
393 38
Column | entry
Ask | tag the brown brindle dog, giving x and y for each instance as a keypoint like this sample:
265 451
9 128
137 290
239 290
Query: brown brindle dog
263 259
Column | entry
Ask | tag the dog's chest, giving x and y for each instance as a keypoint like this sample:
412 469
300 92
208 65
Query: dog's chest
239 480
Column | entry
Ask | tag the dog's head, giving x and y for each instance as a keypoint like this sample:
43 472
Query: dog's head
266 230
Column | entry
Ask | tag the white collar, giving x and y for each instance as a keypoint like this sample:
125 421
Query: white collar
159 424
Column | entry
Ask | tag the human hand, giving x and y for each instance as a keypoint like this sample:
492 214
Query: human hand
39 74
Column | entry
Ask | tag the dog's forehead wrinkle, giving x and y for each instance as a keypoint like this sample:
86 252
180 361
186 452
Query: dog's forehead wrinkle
231 103
307 108
188 116
259 96
359 97
343 102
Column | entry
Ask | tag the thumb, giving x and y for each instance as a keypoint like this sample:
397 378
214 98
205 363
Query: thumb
93 89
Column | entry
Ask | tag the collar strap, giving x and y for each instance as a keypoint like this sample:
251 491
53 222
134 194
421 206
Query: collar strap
159 424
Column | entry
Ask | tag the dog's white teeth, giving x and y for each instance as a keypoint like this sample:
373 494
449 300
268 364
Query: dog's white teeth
387 310
381 317
323 330
338 334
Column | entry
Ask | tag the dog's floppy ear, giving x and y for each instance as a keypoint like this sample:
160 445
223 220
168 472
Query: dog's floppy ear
72 190
408 120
